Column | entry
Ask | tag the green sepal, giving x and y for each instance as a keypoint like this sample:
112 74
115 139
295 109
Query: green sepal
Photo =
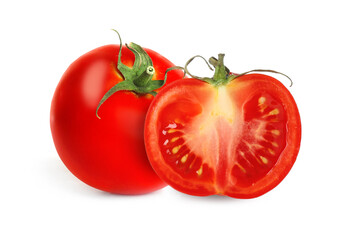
124 85
222 75
138 78
141 63
156 84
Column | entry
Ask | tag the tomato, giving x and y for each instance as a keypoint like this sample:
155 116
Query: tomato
107 153
238 136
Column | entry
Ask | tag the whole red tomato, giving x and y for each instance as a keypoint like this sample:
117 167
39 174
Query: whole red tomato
108 153
235 135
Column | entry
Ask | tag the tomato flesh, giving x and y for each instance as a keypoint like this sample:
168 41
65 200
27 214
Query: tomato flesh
238 140
263 139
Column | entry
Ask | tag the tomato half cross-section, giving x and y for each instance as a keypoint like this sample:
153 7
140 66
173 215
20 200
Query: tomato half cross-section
230 135
109 153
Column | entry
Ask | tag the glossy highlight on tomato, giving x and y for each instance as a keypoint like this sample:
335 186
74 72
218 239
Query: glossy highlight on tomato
238 139
107 153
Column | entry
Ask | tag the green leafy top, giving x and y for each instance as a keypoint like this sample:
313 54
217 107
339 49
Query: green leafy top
222 74
137 78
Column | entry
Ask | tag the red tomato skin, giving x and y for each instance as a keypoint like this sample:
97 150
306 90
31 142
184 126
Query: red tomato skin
108 153
243 86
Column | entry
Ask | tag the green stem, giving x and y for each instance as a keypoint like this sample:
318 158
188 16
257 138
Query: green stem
145 78
220 74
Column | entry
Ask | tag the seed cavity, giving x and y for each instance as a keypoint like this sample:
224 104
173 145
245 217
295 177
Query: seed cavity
261 104
264 160
275 132
241 167
261 100
199 172
172 130
184 158
241 153
271 151
274 112
176 149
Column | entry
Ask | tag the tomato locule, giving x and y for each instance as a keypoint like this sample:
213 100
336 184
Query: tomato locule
109 153
230 135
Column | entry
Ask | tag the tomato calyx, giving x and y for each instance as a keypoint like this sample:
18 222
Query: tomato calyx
222 75
137 78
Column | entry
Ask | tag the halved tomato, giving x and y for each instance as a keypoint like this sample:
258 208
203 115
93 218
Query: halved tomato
239 138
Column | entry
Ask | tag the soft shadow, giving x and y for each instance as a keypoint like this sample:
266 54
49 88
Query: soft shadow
108 194
211 198
61 178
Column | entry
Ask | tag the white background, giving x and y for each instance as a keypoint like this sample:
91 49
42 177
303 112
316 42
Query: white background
40 199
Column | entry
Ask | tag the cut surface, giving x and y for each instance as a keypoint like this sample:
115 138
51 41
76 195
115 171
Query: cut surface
220 140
